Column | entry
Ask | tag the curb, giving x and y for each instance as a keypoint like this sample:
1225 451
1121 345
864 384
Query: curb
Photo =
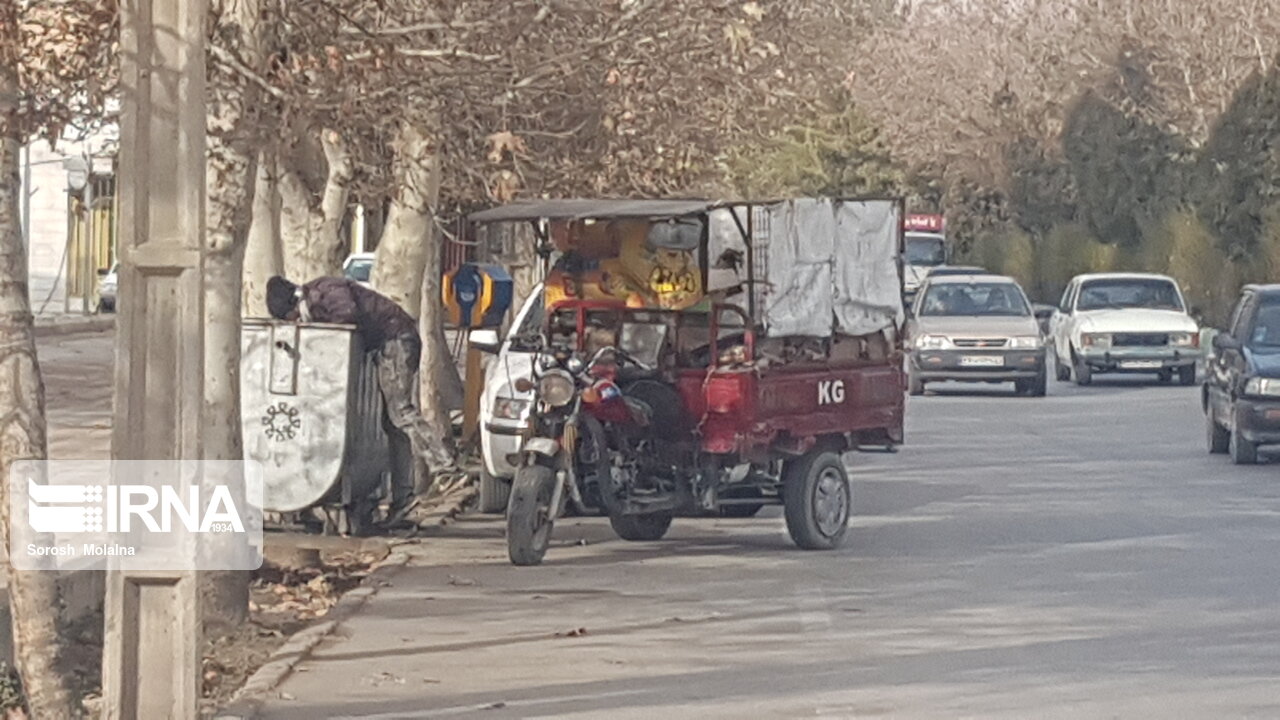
249 699
71 327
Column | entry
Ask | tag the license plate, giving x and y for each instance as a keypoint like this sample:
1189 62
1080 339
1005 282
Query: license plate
1141 364
982 360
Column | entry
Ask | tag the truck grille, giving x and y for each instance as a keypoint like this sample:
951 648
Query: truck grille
1139 339
980 342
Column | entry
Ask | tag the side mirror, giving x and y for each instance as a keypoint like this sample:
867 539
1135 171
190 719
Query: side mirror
1225 341
486 341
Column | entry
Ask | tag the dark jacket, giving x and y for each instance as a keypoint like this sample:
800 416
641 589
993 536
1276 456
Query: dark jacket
376 317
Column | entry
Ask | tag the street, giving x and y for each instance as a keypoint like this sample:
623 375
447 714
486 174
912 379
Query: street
1076 556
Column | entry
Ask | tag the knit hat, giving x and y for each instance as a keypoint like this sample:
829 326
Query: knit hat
282 297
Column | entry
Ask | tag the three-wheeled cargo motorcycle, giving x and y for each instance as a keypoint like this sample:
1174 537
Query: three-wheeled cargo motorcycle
670 383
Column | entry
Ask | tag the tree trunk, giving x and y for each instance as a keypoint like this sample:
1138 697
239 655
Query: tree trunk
229 183
440 386
34 600
310 229
264 255
403 248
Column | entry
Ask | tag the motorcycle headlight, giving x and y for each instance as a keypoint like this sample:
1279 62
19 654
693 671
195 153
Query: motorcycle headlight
933 342
555 388
505 408
1025 342
1184 339
1262 387
1098 340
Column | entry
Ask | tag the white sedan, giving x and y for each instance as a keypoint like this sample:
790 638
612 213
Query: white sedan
1124 323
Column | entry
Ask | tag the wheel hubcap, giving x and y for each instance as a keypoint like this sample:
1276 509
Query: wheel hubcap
831 502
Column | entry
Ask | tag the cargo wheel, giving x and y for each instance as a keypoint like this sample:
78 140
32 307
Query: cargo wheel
817 501
1187 375
530 515
641 528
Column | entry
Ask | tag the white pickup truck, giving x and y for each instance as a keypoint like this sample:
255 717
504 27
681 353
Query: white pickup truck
1124 323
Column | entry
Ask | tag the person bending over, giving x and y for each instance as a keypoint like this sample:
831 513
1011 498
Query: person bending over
391 334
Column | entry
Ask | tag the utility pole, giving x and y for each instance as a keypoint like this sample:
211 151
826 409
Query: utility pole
151 664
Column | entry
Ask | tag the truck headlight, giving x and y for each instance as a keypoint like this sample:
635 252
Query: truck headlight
1025 342
1262 387
505 408
556 388
1184 339
933 342
1097 340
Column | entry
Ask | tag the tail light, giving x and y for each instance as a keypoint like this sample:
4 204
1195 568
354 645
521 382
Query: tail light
724 395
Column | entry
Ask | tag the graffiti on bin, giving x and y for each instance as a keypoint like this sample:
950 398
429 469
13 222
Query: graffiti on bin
281 421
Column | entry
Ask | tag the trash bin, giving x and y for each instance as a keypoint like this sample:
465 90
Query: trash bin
311 413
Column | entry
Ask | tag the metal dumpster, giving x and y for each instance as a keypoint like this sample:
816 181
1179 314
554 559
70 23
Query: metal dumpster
311 413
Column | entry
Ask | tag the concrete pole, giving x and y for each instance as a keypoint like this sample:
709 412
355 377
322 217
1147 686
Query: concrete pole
151 663
86 241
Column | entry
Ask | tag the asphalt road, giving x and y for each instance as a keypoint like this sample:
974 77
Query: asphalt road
1078 556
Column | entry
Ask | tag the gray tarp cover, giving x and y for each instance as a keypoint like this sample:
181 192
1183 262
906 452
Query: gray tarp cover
832 265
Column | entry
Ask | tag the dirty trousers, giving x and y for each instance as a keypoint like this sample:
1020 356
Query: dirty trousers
397 365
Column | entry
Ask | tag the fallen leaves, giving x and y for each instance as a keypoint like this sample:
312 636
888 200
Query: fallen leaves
308 593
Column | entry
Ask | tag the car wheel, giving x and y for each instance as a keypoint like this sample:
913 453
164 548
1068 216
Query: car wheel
1061 369
1084 373
817 500
1219 437
1241 450
1039 385
494 494
1187 375
915 385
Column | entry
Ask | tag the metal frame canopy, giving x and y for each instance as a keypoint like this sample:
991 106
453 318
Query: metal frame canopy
800 265
586 209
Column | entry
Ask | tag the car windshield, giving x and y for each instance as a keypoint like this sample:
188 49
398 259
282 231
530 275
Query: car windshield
359 270
1266 327
927 250
528 334
1129 293
975 299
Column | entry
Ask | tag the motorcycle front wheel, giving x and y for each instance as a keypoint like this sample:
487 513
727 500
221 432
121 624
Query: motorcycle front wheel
530 515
